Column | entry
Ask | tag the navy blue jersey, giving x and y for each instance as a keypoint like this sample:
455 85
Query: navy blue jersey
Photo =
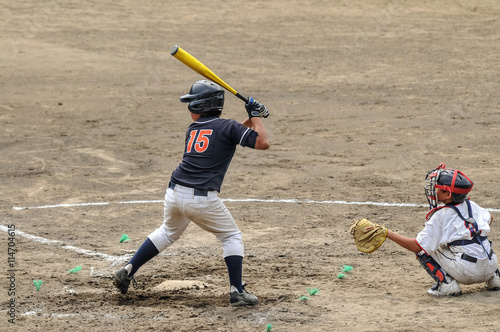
209 147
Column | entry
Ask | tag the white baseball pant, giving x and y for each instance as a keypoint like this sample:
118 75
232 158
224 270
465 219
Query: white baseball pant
208 212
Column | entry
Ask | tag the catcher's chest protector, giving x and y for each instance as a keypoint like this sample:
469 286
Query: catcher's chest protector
473 228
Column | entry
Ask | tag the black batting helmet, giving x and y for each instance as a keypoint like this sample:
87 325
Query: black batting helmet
204 96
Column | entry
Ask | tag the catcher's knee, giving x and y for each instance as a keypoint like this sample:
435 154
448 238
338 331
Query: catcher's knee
432 267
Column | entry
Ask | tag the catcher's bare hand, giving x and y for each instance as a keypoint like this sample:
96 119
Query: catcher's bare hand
367 235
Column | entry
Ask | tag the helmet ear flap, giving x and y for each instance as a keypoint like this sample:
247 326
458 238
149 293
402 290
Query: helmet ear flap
213 102
196 106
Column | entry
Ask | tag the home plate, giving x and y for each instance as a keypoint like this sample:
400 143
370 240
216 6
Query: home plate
180 284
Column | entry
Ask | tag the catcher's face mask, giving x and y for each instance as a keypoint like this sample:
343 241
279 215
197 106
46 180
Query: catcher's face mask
430 188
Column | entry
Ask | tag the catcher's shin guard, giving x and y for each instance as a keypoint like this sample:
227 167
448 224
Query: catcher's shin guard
432 267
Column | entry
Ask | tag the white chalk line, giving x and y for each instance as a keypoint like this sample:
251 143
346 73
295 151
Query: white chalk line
38 313
255 200
61 244
118 259
57 206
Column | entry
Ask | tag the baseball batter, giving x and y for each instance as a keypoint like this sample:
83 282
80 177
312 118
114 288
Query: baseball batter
192 194
453 246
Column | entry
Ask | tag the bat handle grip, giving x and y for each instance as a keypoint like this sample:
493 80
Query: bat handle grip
241 97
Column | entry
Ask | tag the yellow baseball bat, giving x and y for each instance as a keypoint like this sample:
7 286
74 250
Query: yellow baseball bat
193 63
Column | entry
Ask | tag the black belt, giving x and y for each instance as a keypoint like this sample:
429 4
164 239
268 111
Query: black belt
471 259
196 192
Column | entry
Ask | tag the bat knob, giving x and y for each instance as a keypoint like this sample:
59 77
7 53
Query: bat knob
174 49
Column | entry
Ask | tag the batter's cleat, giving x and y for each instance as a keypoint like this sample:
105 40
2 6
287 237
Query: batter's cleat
441 289
494 283
121 280
242 299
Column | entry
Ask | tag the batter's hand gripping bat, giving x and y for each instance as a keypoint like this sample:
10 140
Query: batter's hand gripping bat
201 69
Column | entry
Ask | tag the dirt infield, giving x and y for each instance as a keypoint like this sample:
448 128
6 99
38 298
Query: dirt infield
365 98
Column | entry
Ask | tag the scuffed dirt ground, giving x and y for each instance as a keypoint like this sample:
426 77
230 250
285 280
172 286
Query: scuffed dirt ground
365 98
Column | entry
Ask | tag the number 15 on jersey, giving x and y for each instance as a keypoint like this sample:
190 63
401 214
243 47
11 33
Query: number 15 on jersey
199 140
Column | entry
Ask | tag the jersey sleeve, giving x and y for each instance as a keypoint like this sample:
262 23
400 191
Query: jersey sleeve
430 237
482 217
249 138
242 135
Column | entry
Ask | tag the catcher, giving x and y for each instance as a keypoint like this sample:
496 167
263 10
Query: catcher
453 246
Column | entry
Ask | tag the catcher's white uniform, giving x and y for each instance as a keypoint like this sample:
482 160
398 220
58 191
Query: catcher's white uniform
448 239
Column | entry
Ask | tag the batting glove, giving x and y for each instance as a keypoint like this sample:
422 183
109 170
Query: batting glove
256 109
263 111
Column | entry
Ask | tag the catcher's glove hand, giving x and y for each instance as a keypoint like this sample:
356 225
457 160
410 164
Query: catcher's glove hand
368 236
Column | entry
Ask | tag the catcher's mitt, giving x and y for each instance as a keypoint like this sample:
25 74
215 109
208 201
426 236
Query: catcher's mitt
368 236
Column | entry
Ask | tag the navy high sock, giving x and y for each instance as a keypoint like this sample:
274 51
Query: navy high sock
146 252
234 269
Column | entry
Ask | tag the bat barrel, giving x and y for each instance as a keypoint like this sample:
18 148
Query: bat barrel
201 69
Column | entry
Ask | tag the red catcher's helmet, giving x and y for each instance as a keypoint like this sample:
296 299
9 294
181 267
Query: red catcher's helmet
450 180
